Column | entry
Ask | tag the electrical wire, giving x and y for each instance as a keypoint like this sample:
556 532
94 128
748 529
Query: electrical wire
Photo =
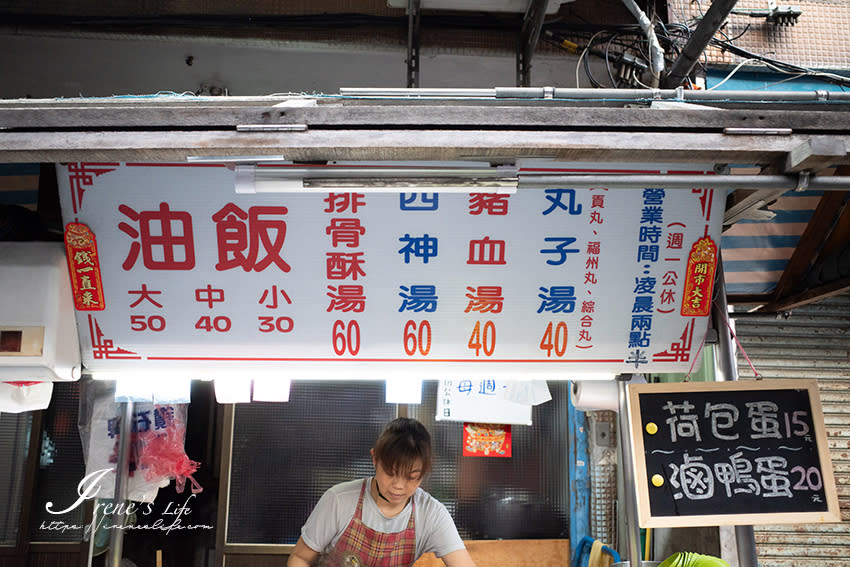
727 44
614 83
781 66
583 55
673 36
785 80
735 70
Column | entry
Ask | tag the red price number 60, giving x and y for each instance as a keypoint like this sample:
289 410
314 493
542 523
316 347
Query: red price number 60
346 337
417 338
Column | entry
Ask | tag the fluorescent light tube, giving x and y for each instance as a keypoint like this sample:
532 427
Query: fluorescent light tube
253 179
404 391
232 390
271 389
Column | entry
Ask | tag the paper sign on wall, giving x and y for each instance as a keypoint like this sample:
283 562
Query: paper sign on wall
479 400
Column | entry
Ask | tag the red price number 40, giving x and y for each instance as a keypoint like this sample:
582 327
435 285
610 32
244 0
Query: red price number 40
554 339
220 324
483 338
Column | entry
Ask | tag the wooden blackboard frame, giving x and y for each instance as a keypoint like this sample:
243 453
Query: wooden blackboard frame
645 517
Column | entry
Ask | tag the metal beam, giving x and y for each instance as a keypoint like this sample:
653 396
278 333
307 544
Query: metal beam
699 40
529 35
122 481
831 289
814 155
413 26
347 128
753 206
402 144
552 114
726 369
817 229
778 184
631 545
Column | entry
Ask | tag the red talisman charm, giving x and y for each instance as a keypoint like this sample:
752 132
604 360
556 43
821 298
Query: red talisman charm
84 267
699 278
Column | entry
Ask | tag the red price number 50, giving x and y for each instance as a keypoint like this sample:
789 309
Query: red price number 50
417 337
346 337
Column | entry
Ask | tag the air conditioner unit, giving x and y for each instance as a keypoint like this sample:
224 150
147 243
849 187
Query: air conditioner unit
38 329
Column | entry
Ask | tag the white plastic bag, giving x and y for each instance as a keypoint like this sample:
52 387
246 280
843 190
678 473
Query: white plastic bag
17 397
156 448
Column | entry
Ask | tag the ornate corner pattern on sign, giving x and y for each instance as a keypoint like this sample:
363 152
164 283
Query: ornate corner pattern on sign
81 176
103 348
679 351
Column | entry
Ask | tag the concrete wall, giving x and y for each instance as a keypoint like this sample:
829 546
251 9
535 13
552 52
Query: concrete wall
52 65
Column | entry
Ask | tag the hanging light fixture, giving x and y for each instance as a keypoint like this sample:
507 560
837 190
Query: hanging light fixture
375 179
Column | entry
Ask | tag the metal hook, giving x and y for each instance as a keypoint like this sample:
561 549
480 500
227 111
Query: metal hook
803 179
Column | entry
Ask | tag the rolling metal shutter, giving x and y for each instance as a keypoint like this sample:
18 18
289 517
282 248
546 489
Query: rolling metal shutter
813 342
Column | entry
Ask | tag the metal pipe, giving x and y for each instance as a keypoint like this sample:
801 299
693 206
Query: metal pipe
656 53
699 40
122 471
684 95
517 179
763 96
726 369
532 24
415 93
632 543
413 21
546 93
762 315
528 180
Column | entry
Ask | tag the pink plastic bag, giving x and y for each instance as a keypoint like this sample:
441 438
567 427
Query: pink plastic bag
160 452
157 455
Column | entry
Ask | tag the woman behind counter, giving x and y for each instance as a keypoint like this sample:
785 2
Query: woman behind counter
386 520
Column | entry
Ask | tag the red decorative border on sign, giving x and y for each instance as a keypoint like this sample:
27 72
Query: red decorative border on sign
679 351
84 267
81 176
699 278
102 347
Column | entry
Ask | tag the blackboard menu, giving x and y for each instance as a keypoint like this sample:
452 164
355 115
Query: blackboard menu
721 453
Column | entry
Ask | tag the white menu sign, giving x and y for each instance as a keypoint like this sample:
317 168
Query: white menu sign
537 284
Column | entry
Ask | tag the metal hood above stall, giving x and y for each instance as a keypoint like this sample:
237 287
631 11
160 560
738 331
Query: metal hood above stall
38 333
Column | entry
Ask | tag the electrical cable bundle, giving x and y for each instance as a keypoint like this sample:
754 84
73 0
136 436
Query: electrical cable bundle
623 48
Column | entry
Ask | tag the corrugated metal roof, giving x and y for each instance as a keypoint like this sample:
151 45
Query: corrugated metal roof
813 342
756 252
